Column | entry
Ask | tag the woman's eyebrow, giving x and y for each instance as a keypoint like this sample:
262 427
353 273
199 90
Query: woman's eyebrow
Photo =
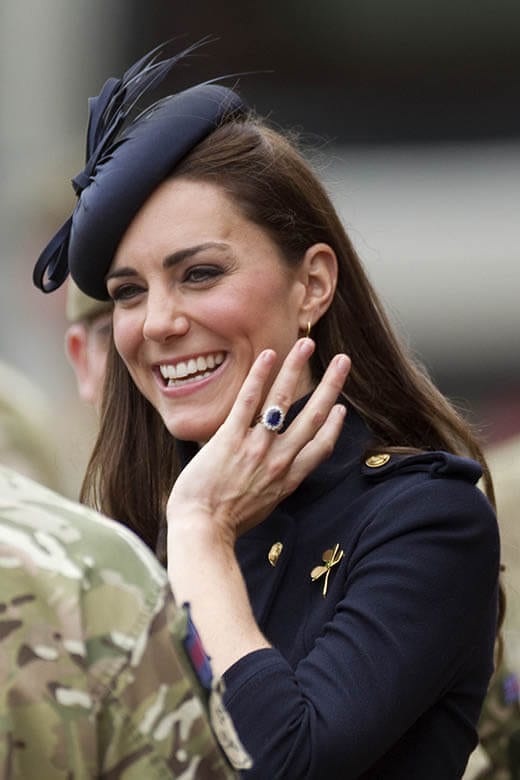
184 254
120 272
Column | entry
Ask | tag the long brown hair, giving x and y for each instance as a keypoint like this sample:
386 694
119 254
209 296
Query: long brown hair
134 465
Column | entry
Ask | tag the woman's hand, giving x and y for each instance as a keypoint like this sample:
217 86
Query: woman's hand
245 470
233 483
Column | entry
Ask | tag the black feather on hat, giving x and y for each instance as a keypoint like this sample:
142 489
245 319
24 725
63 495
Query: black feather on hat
125 162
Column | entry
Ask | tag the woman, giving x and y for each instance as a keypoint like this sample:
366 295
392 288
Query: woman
354 625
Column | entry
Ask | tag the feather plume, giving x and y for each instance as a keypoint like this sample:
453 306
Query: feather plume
109 111
108 117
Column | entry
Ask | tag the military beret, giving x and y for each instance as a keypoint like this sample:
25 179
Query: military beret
126 160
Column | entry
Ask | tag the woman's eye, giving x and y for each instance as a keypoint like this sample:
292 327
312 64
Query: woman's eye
202 273
125 292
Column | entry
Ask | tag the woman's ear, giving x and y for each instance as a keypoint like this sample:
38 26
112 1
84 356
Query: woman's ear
319 276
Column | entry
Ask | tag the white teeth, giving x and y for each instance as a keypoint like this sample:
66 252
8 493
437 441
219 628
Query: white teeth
185 369
179 382
181 370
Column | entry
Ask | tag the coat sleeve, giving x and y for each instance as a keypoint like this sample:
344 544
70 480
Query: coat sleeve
419 606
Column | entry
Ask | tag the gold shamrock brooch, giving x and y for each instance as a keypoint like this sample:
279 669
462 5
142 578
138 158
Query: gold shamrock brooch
330 558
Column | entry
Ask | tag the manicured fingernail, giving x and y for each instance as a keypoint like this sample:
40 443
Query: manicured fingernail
306 346
343 363
267 355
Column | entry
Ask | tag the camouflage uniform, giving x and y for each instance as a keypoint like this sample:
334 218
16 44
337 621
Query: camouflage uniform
95 680
499 728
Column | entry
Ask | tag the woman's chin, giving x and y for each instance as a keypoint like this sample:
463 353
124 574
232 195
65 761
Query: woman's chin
199 432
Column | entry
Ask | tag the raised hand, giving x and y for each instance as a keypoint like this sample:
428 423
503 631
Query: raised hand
245 470
233 483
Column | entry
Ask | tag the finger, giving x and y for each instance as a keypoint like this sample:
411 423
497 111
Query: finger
313 433
284 388
316 411
251 393
317 449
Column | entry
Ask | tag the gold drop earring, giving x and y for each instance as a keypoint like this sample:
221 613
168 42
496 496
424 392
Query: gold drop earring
307 332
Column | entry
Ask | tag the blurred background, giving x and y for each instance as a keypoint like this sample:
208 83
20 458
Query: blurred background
412 108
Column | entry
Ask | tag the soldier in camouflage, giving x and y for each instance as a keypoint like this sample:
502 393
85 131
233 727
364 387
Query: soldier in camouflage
498 754
500 729
96 675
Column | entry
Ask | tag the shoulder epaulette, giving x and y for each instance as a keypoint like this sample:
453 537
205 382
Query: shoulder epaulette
438 464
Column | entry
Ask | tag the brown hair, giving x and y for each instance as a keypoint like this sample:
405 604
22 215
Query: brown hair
133 465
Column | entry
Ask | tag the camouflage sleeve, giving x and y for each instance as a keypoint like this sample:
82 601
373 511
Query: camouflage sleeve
94 680
499 728
156 723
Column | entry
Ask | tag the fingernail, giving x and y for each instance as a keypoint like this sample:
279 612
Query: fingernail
338 413
343 363
306 346
267 355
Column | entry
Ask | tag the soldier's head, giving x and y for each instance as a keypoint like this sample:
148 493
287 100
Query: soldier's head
87 339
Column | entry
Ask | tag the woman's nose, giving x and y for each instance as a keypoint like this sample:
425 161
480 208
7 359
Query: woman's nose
164 320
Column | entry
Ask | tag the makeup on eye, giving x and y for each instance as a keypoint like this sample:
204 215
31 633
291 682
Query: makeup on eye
124 292
200 273
196 274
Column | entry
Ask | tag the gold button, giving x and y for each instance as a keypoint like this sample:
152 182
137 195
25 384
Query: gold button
274 553
374 461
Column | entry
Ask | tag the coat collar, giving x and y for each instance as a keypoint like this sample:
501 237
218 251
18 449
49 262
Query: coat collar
353 440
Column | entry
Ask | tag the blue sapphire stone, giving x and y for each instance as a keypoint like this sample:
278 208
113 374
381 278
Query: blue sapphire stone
273 418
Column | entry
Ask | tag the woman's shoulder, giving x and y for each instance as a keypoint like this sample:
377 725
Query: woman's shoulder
436 492
425 509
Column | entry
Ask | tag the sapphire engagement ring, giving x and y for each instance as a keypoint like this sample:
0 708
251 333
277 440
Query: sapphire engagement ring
272 418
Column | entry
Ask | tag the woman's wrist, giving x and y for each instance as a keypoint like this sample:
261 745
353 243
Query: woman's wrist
197 524
203 570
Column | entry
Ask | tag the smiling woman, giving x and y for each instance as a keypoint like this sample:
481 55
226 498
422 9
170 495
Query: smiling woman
195 282
352 616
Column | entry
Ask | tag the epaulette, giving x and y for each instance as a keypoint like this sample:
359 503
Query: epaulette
439 464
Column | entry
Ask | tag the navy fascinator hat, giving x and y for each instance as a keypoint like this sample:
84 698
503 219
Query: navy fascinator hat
126 160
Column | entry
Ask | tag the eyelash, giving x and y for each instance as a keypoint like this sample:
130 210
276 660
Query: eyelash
125 292
205 273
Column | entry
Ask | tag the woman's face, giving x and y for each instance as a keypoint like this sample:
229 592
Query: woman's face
199 291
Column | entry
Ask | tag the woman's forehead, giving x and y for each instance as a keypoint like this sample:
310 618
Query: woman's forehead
182 213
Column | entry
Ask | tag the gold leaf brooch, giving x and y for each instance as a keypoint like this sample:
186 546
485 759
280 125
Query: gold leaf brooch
330 558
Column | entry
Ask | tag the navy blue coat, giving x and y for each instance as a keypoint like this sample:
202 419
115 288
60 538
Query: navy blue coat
384 676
